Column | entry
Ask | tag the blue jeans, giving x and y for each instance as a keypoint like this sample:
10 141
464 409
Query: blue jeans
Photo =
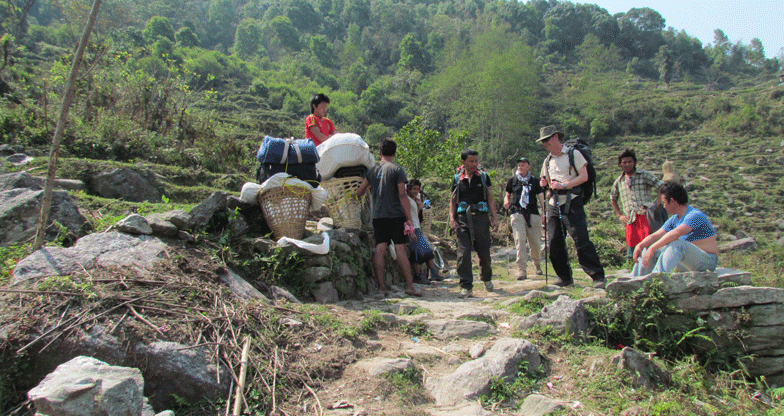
680 256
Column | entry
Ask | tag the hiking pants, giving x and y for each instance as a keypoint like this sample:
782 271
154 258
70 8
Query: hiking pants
480 243
577 227
522 233
679 256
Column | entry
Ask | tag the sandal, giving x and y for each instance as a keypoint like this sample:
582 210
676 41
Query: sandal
413 293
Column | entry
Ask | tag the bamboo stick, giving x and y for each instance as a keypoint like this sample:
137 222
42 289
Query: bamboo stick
238 398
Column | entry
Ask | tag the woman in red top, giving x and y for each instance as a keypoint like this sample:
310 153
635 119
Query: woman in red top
318 127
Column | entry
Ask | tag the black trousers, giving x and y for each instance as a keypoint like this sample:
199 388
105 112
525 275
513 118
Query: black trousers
480 243
577 227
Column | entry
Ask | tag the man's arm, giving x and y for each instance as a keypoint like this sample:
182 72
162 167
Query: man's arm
579 180
363 188
314 130
669 237
624 219
506 200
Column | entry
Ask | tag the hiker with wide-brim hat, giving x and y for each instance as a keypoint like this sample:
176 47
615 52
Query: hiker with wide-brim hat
565 211
548 131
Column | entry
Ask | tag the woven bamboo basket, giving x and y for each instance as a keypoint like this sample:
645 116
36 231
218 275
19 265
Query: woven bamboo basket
342 204
286 210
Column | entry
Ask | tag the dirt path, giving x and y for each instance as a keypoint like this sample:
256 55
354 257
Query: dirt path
358 393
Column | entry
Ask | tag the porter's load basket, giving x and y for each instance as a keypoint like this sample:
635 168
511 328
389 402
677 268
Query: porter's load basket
342 204
286 210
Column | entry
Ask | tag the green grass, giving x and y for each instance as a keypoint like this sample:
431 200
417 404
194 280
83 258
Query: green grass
9 256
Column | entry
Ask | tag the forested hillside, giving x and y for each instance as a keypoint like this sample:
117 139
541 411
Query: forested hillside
198 83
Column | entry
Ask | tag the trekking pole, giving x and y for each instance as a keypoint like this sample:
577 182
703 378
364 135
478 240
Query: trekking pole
546 251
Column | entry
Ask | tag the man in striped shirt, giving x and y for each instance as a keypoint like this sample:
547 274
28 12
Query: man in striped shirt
636 189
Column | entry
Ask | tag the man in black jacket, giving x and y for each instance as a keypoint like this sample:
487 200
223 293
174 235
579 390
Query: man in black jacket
523 196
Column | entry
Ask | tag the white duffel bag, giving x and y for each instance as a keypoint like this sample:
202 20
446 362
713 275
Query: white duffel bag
343 150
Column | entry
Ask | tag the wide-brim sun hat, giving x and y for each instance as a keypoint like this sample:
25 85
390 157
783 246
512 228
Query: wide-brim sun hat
548 131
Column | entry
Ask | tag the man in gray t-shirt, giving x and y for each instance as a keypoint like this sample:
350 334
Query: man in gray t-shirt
391 214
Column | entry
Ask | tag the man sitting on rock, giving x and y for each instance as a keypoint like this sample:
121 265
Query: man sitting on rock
686 242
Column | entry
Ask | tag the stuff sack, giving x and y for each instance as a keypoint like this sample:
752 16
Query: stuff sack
297 157
302 171
287 151
344 150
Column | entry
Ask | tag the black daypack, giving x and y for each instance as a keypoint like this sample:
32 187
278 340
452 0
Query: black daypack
588 187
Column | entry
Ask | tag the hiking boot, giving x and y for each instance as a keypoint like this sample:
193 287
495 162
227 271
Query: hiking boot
489 286
522 276
539 271
434 275
420 281
600 283
466 293
561 283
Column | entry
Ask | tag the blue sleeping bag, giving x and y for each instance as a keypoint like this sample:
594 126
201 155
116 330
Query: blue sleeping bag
287 151
297 157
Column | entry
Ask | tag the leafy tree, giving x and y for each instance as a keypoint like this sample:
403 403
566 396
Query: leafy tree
596 57
247 40
158 27
496 103
664 63
13 17
413 55
285 33
356 11
640 32
322 50
756 53
358 77
303 16
567 24
222 20
425 152
186 37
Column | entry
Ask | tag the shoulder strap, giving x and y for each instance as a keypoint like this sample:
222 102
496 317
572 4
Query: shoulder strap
571 160
547 167
483 177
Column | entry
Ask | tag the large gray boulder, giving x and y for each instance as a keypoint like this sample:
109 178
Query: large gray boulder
677 285
200 214
18 180
379 366
538 405
127 184
85 386
134 224
472 379
644 372
169 369
174 369
565 314
459 328
20 208
94 250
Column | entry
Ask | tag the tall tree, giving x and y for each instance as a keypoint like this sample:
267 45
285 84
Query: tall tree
640 32
247 40
413 55
665 65
497 102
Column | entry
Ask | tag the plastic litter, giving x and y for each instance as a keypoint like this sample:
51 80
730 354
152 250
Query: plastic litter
322 248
